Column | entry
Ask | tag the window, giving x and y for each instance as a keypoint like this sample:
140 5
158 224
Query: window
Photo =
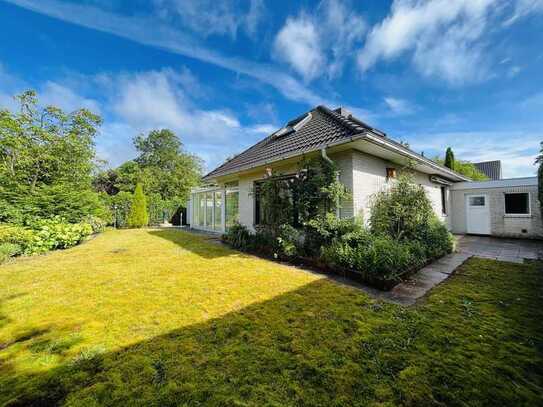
476 201
517 203
217 224
201 209
232 208
444 200
285 190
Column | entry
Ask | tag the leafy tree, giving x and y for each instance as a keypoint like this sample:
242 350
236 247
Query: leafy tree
465 168
47 158
166 168
138 216
449 158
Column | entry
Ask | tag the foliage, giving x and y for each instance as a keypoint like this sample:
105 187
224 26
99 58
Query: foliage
465 168
238 236
138 216
217 327
46 162
167 174
469 170
43 235
288 240
8 250
45 201
56 233
97 224
401 212
324 229
314 191
449 158
119 205
379 259
169 170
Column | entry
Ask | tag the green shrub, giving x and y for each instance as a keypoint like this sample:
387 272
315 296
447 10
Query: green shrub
436 239
288 240
138 216
323 230
8 250
378 259
56 233
97 224
239 237
16 235
401 212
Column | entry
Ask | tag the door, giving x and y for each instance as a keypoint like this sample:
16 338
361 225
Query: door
477 214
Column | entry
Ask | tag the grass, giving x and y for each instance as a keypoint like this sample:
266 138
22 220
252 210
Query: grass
142 317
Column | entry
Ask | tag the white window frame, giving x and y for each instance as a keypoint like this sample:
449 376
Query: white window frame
520 215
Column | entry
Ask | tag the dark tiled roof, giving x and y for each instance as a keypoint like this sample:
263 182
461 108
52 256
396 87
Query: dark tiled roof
322 128
492 169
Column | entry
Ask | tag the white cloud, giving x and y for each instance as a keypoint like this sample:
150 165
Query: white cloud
55 94
516 149
399 106
320 42
441 34
298 44
522 8
208 17
164 36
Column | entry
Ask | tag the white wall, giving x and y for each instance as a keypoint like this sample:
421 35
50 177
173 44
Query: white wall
500 224
362 174
369 177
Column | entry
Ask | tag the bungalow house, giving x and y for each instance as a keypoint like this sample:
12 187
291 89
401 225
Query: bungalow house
368 161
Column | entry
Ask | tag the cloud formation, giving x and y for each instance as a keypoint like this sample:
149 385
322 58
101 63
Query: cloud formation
208 17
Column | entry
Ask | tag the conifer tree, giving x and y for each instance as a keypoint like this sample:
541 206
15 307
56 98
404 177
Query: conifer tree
449 158
138 216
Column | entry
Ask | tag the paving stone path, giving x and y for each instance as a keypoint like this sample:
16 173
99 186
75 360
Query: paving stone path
513 250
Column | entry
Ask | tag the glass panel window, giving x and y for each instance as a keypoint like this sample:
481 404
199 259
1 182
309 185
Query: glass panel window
517 203
218 211
477 201
195 204
232 208
201 209
209 209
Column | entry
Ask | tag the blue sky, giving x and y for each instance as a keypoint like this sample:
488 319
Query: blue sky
461 73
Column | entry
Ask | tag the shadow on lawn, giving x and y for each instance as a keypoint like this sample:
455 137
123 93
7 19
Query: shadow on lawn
317 345
203 245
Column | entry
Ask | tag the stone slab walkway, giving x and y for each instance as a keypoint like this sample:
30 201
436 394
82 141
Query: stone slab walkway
512 250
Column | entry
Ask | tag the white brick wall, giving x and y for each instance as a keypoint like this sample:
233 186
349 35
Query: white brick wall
500 224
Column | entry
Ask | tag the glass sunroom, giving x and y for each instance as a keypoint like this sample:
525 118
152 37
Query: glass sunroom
214 209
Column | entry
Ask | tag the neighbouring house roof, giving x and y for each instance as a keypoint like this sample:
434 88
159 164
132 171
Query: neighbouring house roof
319 128
492 169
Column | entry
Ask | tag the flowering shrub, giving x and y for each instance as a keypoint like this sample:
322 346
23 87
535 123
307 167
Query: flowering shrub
43 235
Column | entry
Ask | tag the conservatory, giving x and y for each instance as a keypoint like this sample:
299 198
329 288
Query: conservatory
214 209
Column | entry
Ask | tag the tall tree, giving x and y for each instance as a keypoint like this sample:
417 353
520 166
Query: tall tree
449 158
138 216
165 168
47 158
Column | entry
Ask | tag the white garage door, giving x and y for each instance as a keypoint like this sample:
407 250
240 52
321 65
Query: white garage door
477 214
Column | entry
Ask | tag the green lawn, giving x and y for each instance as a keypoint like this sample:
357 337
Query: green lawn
143 317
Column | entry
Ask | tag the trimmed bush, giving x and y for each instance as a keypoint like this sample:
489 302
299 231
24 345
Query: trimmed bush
45 234
138 216
8 250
